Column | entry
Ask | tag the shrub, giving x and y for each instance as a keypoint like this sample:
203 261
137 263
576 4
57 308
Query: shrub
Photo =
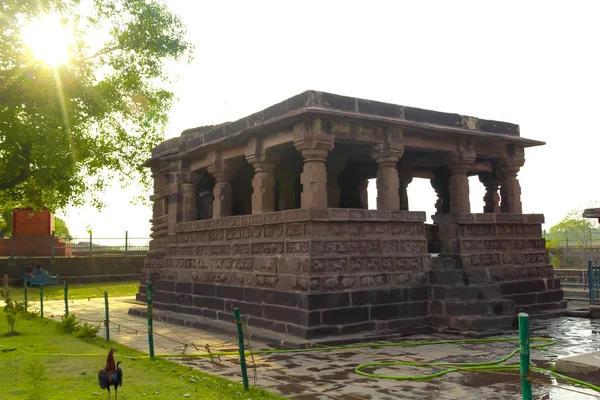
87 331
35 369
68 324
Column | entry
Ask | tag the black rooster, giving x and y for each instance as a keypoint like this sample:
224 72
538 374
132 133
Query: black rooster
112 375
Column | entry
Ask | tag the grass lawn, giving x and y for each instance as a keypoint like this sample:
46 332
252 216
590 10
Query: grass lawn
76 377
79 290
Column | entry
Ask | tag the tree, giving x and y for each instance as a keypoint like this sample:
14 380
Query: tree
61 229
573 230
67 129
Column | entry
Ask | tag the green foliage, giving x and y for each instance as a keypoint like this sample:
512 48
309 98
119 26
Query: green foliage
14 310
68 324
573 230
67 130
87 331
61 229
35 370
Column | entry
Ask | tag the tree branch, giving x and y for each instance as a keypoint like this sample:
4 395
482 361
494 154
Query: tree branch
22 177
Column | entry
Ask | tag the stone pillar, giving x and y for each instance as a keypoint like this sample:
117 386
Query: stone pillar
387 154
510 190
405 180
363 185
491 199
222 201
458 188
314 145
190 210
263 188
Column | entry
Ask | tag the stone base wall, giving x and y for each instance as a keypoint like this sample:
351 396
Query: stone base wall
309 273
491 266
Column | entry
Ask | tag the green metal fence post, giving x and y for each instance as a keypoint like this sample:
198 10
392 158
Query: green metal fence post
25 293
106 320
126 240
90 244
42 301
150 333
66 299
524 352
240 332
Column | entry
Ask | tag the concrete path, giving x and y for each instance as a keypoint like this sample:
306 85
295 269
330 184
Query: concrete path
330 375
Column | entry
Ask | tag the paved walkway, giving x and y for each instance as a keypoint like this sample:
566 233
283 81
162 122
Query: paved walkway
330 375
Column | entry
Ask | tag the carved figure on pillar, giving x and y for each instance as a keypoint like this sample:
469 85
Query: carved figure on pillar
311 140
491 199
387 154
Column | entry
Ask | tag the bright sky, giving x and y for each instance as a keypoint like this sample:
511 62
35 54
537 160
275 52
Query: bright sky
532 63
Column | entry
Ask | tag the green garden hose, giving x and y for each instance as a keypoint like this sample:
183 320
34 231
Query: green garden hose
493 365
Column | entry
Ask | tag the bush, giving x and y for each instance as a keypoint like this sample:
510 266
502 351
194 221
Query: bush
87 331
68 324
14 310
35 369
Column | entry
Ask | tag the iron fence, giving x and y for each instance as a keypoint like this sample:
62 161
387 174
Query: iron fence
56 246
576 239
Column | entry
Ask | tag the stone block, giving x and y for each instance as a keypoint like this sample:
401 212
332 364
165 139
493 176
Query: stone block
522 299
185 300
583 364
230 292
280 298
436 307
225 316
488 292
322 331
356 328
550 296
478 323
206 313
446 277
461 292
209 302
203 289
286 314
327 300
418 293
476 276
414 309
390 311
343 316
166 286
248 309
183 287
467 307
165 297
252 295
553 283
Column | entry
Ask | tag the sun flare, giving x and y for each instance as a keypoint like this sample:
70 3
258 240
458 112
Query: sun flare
48 39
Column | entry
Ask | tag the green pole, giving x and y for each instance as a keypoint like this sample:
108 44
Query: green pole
238 322
524 342
66 299
106 320
150 334
25 294
42 301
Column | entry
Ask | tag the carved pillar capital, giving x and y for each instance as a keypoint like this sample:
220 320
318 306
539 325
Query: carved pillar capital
387 154
313 142
510 189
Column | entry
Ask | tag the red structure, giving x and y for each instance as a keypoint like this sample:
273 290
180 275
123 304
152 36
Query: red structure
32 235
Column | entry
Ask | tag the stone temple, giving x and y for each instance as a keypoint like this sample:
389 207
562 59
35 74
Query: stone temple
270 213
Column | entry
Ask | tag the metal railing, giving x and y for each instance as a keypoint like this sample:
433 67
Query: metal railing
594 283
55 246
